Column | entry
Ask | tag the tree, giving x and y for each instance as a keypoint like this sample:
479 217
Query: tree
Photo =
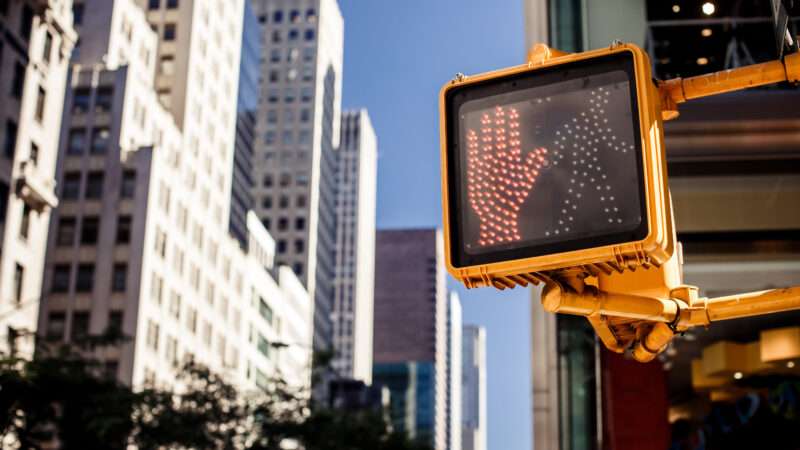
66 399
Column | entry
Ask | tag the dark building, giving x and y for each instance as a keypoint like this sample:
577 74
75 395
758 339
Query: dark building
411 330
246 110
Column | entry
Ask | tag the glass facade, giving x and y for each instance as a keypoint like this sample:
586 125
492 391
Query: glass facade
413 396
247 108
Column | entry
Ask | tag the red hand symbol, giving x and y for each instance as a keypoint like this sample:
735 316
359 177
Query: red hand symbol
499 176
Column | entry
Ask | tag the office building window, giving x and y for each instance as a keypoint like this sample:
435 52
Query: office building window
166 65
277 17
104 99
276 36
77 13
283 224
25 223
309 35
67 227
152 335
84 282
19 278
128 187
306 94
94 185
61 278
10 143
77 141
286 180
266 222
281 246
80 101
283 202
115 321
301 201
90 228
300 223
275 55
293 35
308 54
100 140
294 16
175 305
311 15
172 4
169 31
80 325
266 203
18 82
56 325
119 277
298 269
34 155
124 229
156 288
47 49
153 4
161 243
299 246
71 188
41 100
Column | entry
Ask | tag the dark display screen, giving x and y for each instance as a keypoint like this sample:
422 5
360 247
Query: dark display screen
550 167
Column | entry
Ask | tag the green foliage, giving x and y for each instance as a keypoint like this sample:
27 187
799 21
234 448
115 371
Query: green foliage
64 399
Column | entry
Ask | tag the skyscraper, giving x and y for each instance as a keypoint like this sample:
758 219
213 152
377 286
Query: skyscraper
454 347
354 282
298 130
35 45
410 345
473 417
246 111
141 242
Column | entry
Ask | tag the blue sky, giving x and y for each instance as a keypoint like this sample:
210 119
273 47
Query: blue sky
398 54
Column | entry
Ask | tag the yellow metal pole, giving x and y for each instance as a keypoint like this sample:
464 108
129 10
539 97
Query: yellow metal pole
679 90
753 304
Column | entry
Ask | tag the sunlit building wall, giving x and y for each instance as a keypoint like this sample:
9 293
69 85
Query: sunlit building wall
354 282
34 54
140 242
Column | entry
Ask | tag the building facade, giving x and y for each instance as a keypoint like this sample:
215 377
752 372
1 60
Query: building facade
411 329
733 164
354 281
473 418
297 133
140 242
34 55
246 111
454 375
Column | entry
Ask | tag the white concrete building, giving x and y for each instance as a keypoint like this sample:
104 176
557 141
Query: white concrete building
354 282
473 433
454 388
140 241
34 54
298 131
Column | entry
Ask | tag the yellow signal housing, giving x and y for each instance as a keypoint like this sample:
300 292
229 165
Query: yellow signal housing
554 165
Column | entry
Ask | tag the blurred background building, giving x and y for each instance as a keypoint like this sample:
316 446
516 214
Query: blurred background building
734 170
410 345
473 388
298 125
354 263
454 409
35 46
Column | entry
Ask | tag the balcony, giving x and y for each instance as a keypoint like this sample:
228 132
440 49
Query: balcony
34 189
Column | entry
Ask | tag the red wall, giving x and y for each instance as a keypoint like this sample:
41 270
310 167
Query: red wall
635 404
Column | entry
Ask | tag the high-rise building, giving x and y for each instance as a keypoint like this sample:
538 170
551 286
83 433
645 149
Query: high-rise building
454 347
410 344
35 45
140 242
733 168
246 111
354 282
298 130
473 412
